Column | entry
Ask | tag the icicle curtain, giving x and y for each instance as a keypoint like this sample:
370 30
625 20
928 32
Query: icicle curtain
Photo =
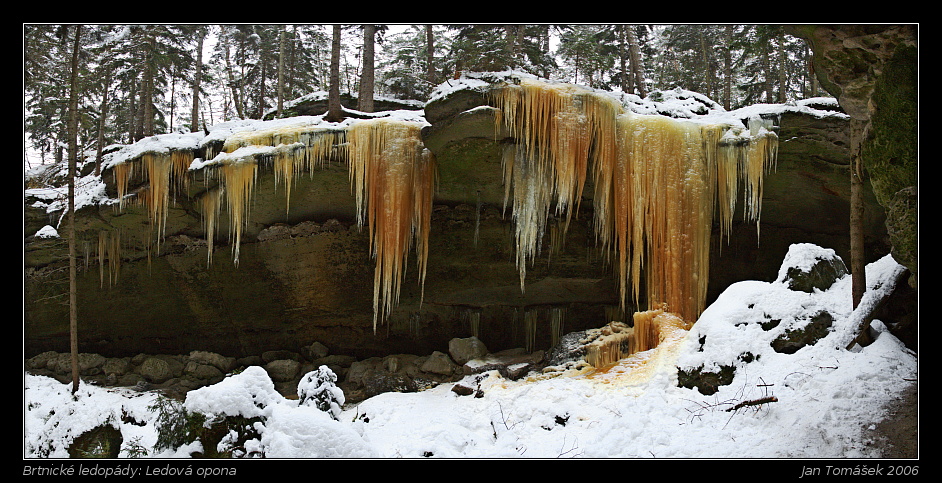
209 206
657 182
392 176
291 150
166 176
560 130
296 149
109 247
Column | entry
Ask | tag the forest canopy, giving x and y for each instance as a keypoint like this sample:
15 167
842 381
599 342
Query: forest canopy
141 80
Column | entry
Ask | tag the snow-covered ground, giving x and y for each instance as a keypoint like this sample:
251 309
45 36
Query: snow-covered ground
827 398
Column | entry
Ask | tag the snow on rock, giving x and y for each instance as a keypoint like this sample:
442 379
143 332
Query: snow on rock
54 417
89 191
677 103
803 256
161 143
247 394
307 432
288 429
47 232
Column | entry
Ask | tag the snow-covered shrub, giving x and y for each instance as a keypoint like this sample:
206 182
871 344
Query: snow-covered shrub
318 388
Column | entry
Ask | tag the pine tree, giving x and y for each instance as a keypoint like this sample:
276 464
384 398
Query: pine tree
73 159
200 33
411 64
589 49
45 56
318 388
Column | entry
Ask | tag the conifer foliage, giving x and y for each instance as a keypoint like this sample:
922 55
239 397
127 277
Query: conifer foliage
318 388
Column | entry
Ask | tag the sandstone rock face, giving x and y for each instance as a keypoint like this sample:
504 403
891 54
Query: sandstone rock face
873 72
306 274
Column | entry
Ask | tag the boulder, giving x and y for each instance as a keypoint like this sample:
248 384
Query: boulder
269 356
806 332
158 369
511 364
220 362
203 372
464 349
41 361
118 366
283 370
808 267
439 363
381 382
88 364
317 351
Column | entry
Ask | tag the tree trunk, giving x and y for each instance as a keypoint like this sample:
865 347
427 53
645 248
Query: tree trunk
429 57
766 63
173 94
147 91
812 80
858 130
635 51
705 59
509 38
292 74
365 102
137 126
334 112
195 115
236 99
728 70
281 70
517 53
622 58
73 159
263 60
102 115
782 78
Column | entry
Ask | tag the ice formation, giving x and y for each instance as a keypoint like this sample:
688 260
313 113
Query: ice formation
657 184
656 180
393 180
391 173
109 247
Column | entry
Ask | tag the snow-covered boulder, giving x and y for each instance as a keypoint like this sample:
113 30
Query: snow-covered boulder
808 267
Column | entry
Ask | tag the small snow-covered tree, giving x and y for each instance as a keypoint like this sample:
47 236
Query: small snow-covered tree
318 388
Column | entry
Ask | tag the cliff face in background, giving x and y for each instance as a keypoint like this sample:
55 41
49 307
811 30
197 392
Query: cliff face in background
307 275
872 70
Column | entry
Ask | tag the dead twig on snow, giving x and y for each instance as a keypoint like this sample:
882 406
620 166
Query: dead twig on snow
753 402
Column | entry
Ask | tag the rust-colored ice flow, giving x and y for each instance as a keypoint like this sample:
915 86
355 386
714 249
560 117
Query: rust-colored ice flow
658 182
